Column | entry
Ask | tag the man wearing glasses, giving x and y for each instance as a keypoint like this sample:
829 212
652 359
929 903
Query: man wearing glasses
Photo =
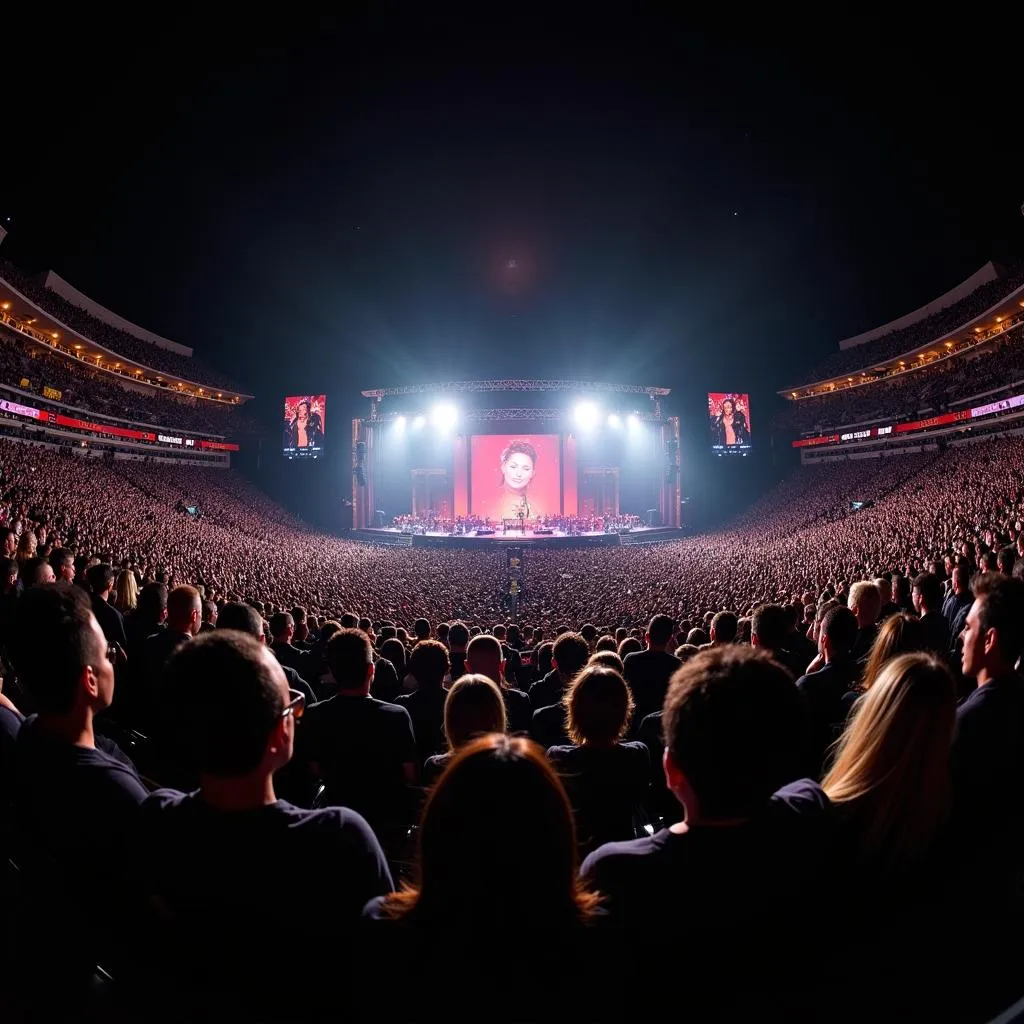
223 860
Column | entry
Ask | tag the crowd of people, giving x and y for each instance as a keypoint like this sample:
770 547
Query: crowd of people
915 393
87 388
112 338
932 328
251 768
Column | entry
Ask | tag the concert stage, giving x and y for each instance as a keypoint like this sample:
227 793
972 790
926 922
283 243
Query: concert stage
556 539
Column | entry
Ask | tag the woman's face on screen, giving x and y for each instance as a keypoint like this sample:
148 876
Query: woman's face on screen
517 470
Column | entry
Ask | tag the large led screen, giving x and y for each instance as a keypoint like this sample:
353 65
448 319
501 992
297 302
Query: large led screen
513 474
305 420
729 413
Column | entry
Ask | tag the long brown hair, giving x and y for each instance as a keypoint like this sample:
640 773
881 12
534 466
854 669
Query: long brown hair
891 771
497 841
900 634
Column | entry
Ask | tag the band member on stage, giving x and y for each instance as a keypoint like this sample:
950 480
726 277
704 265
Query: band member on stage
518 466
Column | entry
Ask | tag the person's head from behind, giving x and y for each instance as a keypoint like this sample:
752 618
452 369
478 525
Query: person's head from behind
484 657
184 610
660 631
927 593
247 726
36 572
242 618
152 603
733 726
393 650
609 659
60 653
100 578
298 614
598 707
350 659
768 627
497 841
428 664
458 636
569 654
474 707
723 628
892 763
630 645
421 629
126 590
838 634
684 652
865 601
900 634
993 636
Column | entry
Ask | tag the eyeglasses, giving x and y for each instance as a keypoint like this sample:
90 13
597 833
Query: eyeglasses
296 706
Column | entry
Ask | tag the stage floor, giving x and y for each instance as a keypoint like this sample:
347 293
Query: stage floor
557 538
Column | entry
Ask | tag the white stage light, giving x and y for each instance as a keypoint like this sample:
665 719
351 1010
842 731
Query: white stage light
633 421
399 424
444 416
614 421
586 415
419 422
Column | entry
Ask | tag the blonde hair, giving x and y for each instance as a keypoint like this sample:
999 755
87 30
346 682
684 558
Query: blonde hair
27 545
900 634
891 771
126 591
865 590
474 707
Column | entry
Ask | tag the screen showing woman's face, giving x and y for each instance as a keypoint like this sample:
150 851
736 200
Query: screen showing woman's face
303 411
517 470
727 408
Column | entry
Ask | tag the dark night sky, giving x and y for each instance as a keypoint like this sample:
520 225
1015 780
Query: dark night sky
335 203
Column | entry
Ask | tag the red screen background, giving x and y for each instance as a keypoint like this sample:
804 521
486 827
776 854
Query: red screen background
486 491
317 403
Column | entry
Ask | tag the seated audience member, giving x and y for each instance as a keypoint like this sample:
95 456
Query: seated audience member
569 655
723 629
606 779
148 618
458 641
927 598
37 572
741 865
865 601
387 689
607 659
648 672
988 753
282 632
473 708
76 799
208 857
428 665
126 592
823 691
497 858
484 656
769 626
889 783
101 582
210 613
362 749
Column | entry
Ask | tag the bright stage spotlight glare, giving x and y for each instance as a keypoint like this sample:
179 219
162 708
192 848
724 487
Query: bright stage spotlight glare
444 416
614 420
419 422
399 424
585 415
633 421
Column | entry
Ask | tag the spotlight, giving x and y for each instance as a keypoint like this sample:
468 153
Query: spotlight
419 422
585 415
399 424
444 416
633 421
614 420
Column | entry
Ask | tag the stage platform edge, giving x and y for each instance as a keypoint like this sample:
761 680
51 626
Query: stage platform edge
394 538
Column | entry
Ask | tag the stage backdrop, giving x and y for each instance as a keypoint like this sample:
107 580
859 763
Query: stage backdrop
506 468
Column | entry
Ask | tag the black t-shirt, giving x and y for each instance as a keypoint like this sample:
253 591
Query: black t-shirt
361 746
547 691
76 803
547 726
823 692
606 786
237 887
518 710
426 709
648 673
433 767
458 664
